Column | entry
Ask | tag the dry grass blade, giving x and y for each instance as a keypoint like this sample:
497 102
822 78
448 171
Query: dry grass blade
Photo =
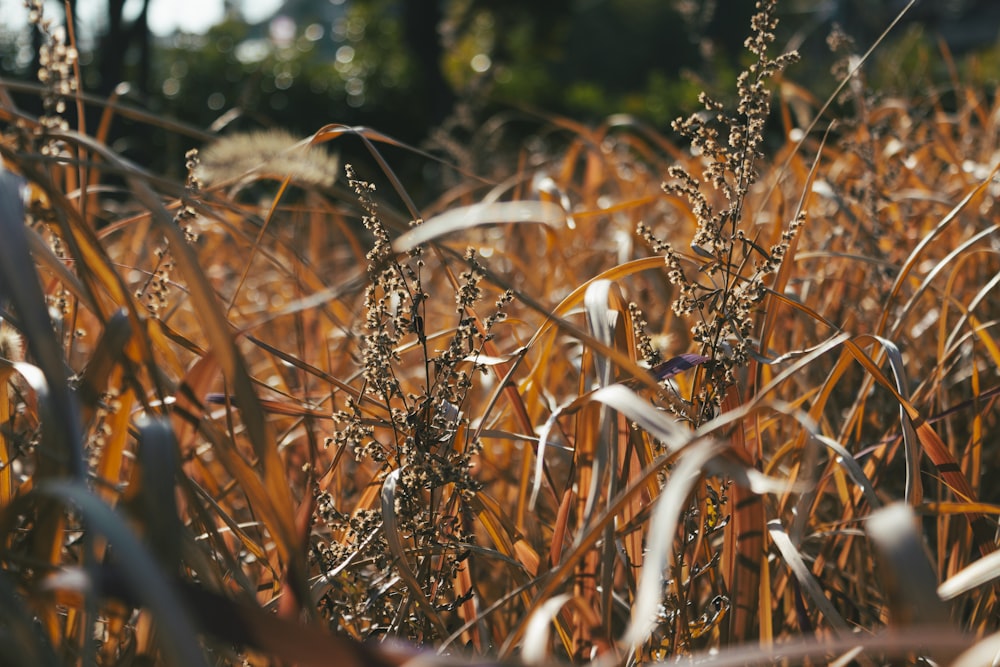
914 489
644 427
19 287
273 499
856 68
979 573
544 433
595 449
744 546
946 261
25 646
927 242
6 445
394 539
99 277
807 650
909 577
983 652
662 531
476 215
137 568
601 317
652 420
935 449
274 503
536 636
43 254
793 558
850 464
987 290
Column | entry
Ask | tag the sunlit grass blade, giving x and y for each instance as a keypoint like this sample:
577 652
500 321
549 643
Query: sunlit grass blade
934 447
793 558
272 497
850 464
744 547
536 636
982 652
947 261
458 219
660 536
46 259
801 650
927 241
979 573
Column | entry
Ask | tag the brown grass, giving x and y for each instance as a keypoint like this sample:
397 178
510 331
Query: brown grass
257 417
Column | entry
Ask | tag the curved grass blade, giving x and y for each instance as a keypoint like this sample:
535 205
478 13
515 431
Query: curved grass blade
858 65
156 499
596 445
43 254
850 464
796 563
979 573
476 215
394 539
272 498
536 636
914 493
543 443
906 569
987 290
911 260
935 449
660 536
899 642
981 653
143 577
940 266
62 443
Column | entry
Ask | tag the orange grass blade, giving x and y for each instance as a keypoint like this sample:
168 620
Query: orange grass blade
271 495
914 256
743 549
936 450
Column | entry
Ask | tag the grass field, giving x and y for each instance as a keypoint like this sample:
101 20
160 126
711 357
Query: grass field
614 395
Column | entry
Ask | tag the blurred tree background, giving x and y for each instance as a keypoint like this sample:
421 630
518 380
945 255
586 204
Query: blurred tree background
404 66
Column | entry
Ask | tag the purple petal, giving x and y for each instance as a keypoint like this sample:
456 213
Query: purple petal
678 364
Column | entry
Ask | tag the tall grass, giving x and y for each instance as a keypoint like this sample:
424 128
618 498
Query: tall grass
281 414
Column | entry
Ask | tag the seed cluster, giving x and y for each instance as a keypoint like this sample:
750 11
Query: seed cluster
729 283
425 436
56 59
155 291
